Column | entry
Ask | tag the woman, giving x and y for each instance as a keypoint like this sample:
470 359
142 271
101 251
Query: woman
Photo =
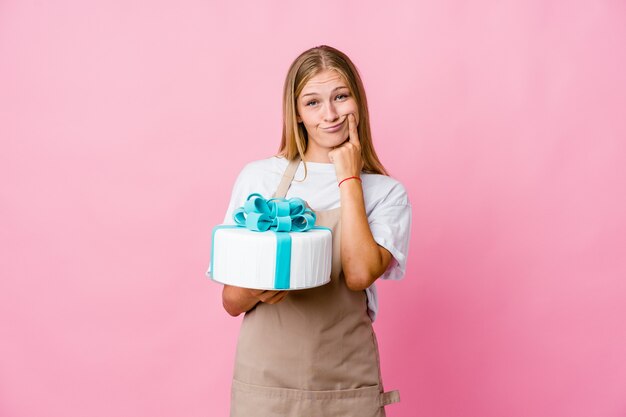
313 352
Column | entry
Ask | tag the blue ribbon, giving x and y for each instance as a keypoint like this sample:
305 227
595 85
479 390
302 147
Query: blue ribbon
277 214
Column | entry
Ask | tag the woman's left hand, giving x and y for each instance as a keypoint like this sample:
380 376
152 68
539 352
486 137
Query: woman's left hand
347 156
362 259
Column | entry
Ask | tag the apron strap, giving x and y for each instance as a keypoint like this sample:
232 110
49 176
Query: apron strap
389 397
285 182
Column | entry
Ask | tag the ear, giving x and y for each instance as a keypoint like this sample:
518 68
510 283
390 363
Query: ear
298 118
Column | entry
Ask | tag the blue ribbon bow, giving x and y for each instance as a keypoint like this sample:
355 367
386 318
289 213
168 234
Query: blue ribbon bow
277 214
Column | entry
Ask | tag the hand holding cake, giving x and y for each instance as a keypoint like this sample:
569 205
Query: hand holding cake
268 296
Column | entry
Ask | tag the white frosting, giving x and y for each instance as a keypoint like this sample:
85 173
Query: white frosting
245 258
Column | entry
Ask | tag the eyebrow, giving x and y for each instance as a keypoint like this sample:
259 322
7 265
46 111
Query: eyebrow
334 89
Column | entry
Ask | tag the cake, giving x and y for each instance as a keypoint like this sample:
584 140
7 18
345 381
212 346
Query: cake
273 245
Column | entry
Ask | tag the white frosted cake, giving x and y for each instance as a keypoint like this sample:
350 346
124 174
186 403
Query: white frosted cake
274 245
246 258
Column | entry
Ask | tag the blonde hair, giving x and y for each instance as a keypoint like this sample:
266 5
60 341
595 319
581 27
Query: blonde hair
310 63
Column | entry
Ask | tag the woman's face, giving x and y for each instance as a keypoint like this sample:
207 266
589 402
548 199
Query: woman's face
323 107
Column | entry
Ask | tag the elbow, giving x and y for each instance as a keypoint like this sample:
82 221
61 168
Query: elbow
361 272
230 308
358 282
359 275
231 311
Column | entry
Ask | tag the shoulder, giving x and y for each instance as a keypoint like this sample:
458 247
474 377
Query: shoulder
264 165
261 176
261 168
383 189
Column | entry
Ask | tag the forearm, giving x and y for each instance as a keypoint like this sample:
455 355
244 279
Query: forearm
237 300
363 260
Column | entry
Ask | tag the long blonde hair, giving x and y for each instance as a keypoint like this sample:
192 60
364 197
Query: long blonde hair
310 63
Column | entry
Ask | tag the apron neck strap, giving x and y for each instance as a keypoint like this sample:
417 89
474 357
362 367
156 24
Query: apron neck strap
288 175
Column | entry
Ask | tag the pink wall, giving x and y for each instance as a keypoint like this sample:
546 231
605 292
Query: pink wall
123 125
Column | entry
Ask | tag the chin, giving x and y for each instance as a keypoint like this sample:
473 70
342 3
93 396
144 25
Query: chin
331 140
337 140
333 144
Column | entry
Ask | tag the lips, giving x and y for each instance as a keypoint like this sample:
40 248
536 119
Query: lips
333 128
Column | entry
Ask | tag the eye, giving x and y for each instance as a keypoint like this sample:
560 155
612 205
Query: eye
311 103
341 97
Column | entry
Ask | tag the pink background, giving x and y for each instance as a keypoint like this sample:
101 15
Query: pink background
124 124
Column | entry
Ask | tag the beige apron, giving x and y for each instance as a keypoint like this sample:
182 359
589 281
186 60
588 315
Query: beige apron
314 354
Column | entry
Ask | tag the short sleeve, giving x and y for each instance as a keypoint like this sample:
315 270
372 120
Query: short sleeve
255 177
240 192
237 199
390 223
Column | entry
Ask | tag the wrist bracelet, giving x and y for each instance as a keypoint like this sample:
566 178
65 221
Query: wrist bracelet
349 178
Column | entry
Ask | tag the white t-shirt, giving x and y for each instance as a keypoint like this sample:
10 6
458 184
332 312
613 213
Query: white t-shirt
386 204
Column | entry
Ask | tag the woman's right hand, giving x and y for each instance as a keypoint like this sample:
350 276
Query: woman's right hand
270 297
237 300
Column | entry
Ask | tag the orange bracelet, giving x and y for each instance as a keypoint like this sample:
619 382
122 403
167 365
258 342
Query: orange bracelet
349 178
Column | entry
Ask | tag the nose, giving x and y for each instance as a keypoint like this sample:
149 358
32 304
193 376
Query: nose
331 113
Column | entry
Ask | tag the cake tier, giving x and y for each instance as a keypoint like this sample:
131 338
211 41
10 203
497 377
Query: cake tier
246 258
